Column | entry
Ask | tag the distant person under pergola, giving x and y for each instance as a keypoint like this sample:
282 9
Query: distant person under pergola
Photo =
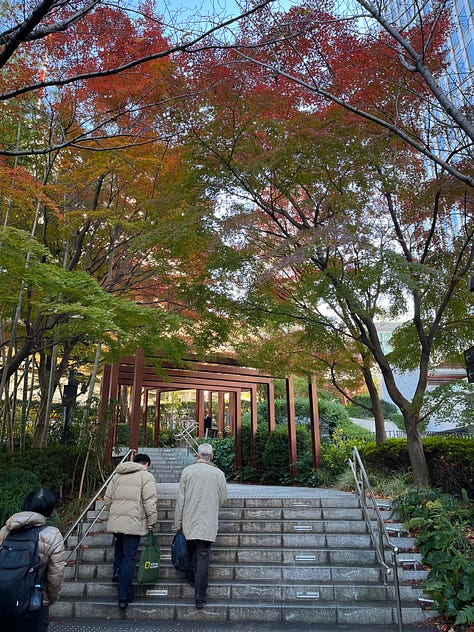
207 425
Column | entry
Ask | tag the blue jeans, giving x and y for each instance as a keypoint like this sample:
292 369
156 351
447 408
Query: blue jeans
199 555
126 547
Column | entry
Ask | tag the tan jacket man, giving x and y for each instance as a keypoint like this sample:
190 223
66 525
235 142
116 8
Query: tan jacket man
131 499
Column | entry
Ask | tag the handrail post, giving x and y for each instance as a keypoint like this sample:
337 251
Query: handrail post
397 589
78 552
364 489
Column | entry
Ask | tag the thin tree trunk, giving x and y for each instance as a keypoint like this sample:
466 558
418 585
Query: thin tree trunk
380 434
40 435
90 394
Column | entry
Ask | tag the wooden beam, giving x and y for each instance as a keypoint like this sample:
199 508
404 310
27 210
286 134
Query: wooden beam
188 382
126 372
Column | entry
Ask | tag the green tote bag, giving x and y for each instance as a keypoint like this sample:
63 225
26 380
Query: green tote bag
149 566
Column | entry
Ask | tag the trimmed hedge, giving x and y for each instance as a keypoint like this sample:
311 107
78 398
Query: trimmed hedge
450 461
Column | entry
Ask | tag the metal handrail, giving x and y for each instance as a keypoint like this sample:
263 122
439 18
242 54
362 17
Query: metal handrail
79 522
381 539
188 437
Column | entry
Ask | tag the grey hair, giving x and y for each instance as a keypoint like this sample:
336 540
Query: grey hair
205 450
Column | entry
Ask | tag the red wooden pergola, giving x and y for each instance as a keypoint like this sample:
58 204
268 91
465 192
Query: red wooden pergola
223 377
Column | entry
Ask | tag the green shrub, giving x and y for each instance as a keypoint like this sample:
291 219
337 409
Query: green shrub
275 457
167 437
260 441
123 435
55 467
224 455
442 525
16 484
451 464
450 461
331 412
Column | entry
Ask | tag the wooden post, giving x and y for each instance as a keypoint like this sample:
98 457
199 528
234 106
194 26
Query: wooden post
253 424
136 398
156 438
102 412
290 403
314 423
200 412
220 412
238 430
271 406
232 412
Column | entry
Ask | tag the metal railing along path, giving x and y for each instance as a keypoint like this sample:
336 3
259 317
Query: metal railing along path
187 434
380 539
79 524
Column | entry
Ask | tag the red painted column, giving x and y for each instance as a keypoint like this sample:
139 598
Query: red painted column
290 403
238 430
314 423
253 424
220 412
200 412
271 407
136 398
102 412
156 438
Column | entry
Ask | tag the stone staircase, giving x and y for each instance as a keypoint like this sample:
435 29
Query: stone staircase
282 555
168 463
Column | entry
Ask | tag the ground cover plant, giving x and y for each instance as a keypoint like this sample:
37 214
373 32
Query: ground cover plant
443 526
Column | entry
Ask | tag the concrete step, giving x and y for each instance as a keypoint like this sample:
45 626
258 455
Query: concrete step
303 610
251 591
229 555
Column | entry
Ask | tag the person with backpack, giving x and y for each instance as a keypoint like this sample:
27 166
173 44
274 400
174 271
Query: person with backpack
31 565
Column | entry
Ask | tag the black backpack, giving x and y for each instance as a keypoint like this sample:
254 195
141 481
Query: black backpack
179 552
20 570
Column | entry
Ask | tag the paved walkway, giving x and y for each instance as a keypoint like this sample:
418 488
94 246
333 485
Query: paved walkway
236 490
87 625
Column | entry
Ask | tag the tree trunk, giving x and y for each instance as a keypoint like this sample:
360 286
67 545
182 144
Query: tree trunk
380 434
419 466
416 453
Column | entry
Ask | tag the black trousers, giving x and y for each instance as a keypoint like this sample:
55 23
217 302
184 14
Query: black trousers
199 556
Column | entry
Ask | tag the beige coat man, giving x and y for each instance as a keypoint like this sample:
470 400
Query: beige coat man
202 491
